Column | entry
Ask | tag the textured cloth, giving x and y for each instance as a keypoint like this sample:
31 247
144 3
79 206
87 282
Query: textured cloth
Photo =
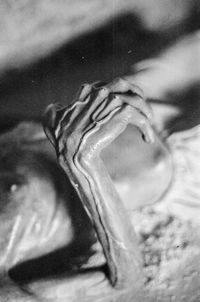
183 195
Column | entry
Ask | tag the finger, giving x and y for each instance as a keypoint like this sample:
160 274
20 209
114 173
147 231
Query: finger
75 108
99 84
103 132
138 120
109 104
120 85
109 128
60 117
81 98
114 101
83 93
51 121
140 104
96 98
129 115
57 118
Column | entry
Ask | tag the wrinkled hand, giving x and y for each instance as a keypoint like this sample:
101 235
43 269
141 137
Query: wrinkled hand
79 132
96 117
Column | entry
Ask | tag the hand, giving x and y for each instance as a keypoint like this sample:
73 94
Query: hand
96 117
79 132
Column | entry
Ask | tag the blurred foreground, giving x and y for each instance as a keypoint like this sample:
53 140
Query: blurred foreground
48 48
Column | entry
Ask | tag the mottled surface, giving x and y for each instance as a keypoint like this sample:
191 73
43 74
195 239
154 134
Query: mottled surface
171 260
171 251
32 30
169 245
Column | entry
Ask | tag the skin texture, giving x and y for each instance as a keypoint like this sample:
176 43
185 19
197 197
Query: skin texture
79 133
42 219
156 84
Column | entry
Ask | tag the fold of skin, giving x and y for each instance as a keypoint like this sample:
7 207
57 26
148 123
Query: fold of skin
9 291
78 142
110 220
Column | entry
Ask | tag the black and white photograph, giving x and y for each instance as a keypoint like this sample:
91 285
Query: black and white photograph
99 151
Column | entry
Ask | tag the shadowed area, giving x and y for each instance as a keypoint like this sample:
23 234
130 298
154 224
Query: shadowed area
48 49
102 54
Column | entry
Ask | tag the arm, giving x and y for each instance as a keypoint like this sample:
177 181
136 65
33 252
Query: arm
79 133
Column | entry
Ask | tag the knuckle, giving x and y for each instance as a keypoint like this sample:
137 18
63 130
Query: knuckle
85 86
104 91
83 157
143 122
115 98
84 90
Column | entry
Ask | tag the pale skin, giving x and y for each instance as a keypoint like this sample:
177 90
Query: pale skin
84 167
79 133
79 155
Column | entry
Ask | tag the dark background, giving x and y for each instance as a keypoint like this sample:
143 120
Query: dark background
99 54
